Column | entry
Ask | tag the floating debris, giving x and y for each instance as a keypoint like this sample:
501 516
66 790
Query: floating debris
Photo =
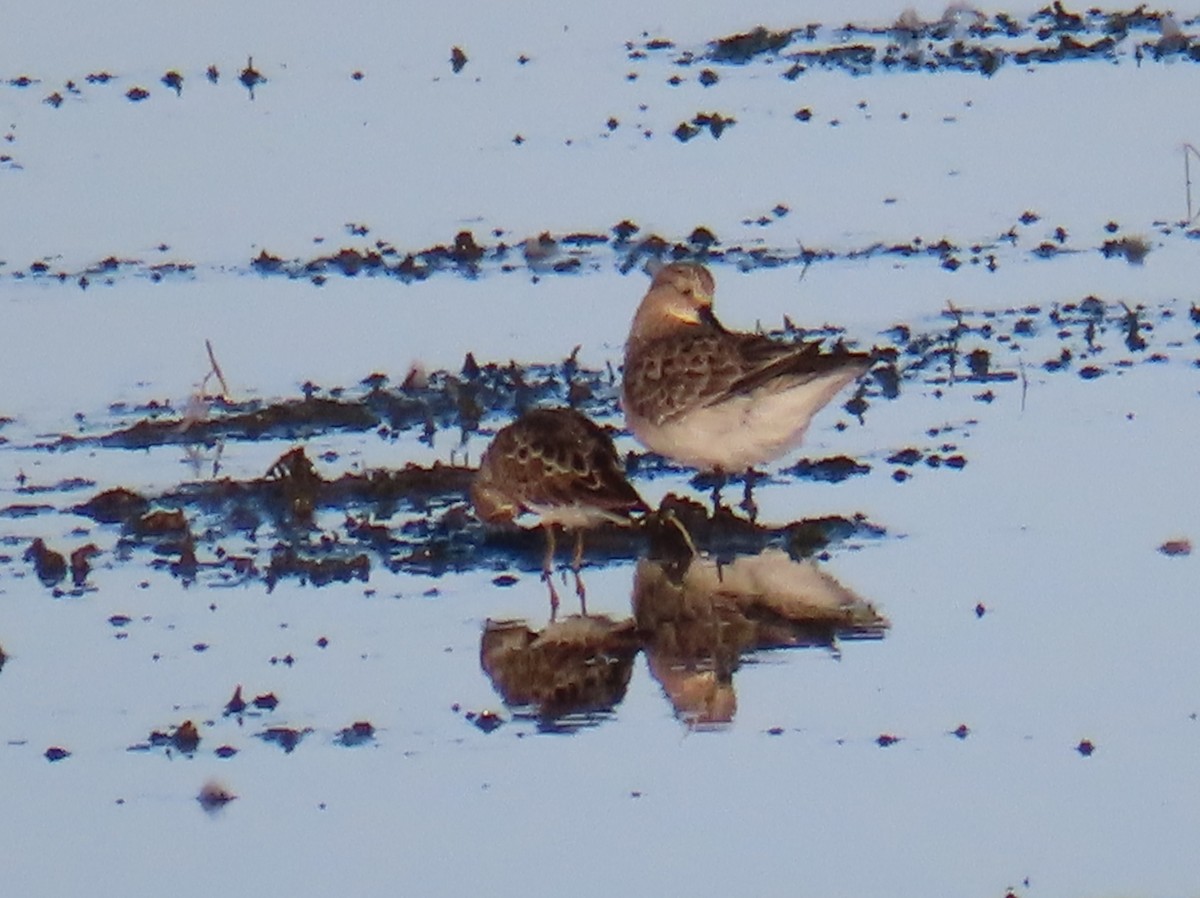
174 81
359 733
486 721
213 796
50 566
81 563
739 49
286 738
1173 548
250 77
184 738
237 704
834 469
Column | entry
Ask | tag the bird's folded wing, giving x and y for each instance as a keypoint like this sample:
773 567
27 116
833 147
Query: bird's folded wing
765 362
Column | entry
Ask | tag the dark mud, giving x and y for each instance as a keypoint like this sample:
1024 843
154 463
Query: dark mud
210 530
624 247
213 796
961 40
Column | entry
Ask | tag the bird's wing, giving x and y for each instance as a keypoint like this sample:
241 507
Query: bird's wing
764 361
673 376
580 466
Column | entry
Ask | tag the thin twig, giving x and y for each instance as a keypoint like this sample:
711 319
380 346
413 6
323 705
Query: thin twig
1187 179
1188 151
804 270
216 369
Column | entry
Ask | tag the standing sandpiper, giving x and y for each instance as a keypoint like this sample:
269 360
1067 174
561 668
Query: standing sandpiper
560 467
715 399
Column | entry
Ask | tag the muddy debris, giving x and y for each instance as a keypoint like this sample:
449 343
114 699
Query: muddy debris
291 419
444 537
286 738
1132 249
163 522
834 469
235 705
739 49
805 539
50 566
485 721
250 77
213 796
436 399
713 121
56 753
184 738
286 561
174 81
545 253
360 732
81 564
1175 548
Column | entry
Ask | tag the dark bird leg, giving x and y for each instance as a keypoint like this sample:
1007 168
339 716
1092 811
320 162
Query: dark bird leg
548 571
720 478
748 504
576 564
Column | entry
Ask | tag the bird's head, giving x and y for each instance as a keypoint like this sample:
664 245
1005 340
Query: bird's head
681 294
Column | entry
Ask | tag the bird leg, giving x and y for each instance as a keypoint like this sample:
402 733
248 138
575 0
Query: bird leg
576 564
548 571
720 478
748 504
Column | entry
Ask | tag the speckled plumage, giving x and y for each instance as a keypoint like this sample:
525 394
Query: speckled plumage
556 464
560 467
715 399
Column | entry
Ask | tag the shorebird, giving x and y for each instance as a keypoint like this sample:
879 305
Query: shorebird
558 466
714 399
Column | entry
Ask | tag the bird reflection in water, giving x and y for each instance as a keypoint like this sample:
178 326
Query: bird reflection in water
696 619
699 619
572 672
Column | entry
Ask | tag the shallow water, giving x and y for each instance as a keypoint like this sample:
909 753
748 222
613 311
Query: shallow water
1032 616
